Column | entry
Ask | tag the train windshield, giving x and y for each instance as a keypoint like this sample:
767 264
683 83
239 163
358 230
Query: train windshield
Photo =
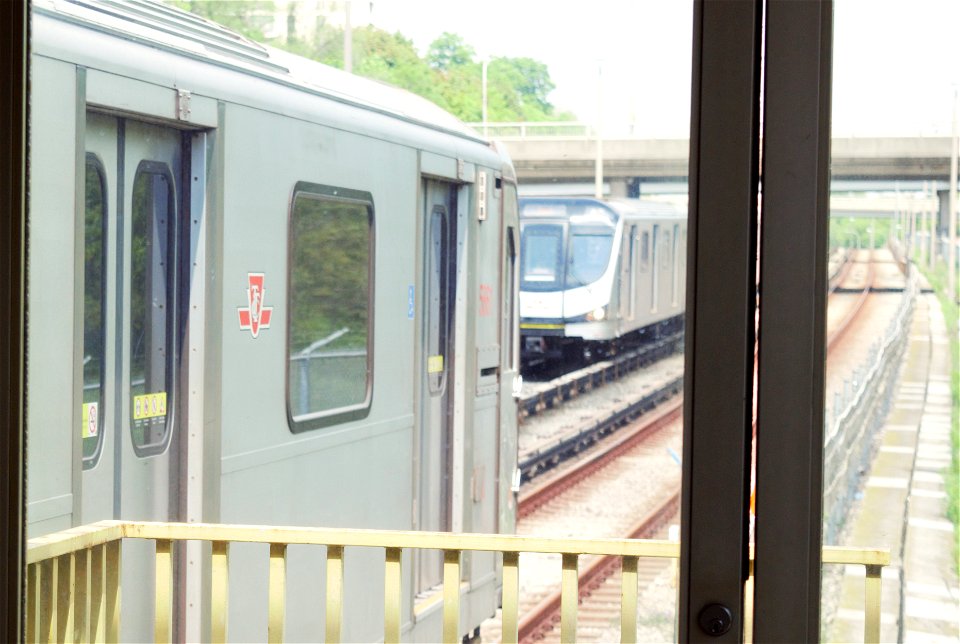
589 254
542 257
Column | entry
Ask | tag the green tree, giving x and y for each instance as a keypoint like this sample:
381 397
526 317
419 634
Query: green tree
449 52
246 17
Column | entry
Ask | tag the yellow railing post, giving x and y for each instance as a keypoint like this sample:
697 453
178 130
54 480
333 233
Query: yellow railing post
33 580
451 596
392 582
164 591
278 591
81 595
871 601
628 599
64 591
511 597
334 592
112 552
569 597
219 590
98 596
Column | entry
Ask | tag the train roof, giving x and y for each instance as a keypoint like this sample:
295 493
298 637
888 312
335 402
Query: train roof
167 28
620 208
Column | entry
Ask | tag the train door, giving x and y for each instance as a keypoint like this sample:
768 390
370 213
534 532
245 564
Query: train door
437 381
133 180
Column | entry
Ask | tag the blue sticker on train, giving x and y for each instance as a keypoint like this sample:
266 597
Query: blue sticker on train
410 300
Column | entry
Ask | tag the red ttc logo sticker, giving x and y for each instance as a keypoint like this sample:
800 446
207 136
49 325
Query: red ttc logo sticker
255 315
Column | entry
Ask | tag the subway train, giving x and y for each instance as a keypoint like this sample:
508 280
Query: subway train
263 291
598 276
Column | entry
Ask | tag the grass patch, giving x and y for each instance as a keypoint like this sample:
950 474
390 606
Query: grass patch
951 313
855 231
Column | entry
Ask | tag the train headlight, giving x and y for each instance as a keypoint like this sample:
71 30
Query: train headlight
597 315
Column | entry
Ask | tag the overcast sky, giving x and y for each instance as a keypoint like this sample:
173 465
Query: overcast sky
896 62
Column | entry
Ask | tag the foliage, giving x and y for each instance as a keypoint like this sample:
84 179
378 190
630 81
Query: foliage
847 231
449 74
247 17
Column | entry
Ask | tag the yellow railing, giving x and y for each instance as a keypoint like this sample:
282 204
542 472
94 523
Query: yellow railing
73 577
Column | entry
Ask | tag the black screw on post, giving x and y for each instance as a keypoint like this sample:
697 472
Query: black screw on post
715 619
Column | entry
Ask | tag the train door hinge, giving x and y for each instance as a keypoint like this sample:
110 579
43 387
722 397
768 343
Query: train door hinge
482 196
183 104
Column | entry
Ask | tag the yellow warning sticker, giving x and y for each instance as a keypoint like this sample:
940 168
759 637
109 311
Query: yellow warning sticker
150 406
90 420
435 364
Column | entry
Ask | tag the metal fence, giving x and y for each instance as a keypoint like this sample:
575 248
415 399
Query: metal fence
859 410
73 577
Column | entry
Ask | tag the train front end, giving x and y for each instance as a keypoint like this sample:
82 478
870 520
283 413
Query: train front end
568 268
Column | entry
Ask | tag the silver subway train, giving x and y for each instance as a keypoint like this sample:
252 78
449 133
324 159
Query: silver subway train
263 291
597 276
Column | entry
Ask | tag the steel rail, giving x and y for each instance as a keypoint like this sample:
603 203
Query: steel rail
540 619
846 322
541 494
548 456
572 384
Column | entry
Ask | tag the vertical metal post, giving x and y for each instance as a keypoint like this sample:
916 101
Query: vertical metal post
347 39
392 584
451 596
628 600
334 593
164 591
952 201
14 71
511 590
278 591
721 294
598 163
569 598
483 98
792 342
219 590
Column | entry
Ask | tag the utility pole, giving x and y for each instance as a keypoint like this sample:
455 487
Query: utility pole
598 168
347 39
483 100
952 219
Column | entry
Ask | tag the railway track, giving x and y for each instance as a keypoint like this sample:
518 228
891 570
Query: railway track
599 578
555 392
638 445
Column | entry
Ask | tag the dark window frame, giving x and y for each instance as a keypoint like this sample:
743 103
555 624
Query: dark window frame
343 414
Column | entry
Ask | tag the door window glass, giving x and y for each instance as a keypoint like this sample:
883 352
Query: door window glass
438 303
151 306
94 288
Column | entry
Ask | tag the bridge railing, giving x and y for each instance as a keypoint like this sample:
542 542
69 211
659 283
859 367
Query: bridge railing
535 129
73 577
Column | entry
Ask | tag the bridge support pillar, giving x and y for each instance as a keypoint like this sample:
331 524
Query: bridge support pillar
619 187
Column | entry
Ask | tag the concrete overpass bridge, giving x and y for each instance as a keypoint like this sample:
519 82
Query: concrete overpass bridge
559 151
565 153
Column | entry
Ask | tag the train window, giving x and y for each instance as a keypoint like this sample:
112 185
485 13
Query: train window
511 308
330 298
541 257
675 277
151 306
94 301
438 302
645 252
589 254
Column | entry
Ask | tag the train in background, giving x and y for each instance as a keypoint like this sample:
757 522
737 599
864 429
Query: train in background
598 276
263 291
